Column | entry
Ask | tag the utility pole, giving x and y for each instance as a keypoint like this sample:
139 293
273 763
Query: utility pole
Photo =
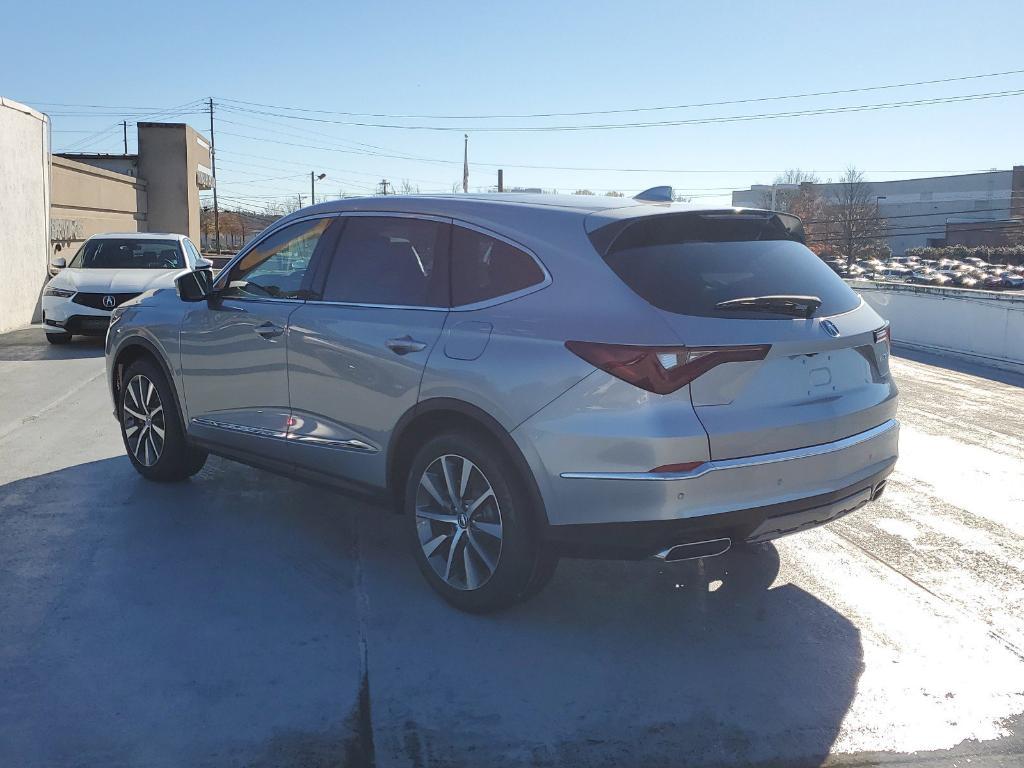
213 170
300 201
501 180
312 188
384 186
465 162
124 124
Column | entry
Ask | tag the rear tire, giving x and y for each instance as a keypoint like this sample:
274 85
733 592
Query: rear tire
58 338
151 427
474 531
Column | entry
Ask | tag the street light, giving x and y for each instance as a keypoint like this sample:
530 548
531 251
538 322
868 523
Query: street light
313 179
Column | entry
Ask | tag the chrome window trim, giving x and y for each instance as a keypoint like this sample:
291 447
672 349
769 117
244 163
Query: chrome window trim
485 304
747 461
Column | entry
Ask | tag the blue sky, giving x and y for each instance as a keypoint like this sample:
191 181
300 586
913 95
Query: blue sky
412 58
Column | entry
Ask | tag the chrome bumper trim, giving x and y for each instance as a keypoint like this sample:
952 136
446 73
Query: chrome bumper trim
746 461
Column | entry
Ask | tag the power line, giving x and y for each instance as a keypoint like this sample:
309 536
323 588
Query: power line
653 124
730 102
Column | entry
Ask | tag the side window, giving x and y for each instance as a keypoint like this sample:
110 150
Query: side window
390 260
484 267
277 266
193 253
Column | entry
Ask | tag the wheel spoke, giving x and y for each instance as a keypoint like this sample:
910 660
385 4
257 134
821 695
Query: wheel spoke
488 494
152 443
481 552
467 470
135 414
452 495
472 576
129 431
440 517
491 529
158 430
149 392
130 390
155 411
138 393
431 546
427 483
146 451
451 554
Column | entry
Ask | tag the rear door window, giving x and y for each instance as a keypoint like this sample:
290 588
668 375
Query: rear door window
484 267
689 263
390 260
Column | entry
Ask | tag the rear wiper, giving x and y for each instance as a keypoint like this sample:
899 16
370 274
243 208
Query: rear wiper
798 306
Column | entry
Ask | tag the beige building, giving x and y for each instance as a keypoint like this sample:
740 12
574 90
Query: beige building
156 190
50 204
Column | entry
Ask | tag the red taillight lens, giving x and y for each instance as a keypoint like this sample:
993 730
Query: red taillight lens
882 334
661 370
687 466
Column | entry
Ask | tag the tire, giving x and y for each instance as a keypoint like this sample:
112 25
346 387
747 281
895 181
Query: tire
58 338
147 406
483 554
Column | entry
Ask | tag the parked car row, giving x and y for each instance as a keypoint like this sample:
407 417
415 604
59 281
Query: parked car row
972 272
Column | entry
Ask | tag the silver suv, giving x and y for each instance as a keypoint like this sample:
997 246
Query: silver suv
524 378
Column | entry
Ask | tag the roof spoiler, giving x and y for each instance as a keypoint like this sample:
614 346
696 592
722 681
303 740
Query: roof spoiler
655 195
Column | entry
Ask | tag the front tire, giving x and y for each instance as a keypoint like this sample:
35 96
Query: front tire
58 338
151 428
474 532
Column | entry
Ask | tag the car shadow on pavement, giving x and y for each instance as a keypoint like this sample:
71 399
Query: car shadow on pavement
703 663
30 344
244 619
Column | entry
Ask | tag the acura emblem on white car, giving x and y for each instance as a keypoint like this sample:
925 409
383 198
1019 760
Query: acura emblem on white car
830 327
108 303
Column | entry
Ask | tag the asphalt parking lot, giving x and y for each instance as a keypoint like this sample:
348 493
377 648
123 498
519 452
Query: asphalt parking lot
245 619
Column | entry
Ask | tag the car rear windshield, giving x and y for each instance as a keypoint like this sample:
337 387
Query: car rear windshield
689 263
127 253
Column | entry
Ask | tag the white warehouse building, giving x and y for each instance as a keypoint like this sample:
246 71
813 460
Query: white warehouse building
966 209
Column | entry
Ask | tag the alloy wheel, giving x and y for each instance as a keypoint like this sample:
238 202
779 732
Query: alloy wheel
142 416
458 522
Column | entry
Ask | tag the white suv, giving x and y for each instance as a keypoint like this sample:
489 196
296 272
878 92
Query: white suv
107 271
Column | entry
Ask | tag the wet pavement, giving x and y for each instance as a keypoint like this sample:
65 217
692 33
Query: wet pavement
242 619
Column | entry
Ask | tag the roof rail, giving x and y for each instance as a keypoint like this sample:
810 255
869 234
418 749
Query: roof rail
655 195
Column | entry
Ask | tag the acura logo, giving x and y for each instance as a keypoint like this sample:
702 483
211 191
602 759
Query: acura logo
829 327
109 302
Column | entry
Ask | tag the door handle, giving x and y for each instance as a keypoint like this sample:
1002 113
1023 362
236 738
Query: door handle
268 330
405 345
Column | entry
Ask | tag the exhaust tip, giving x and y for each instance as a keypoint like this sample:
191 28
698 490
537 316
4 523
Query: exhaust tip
696 550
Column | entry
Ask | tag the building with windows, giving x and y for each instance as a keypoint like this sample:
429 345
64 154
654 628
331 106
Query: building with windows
965 209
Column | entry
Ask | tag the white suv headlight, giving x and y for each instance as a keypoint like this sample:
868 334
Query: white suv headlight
62 293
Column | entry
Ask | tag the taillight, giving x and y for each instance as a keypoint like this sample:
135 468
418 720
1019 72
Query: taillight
882 334
661 370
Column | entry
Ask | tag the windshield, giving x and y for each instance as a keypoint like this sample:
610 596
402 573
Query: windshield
129 253
695 265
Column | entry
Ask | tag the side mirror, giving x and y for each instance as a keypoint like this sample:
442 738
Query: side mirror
195 286
56 265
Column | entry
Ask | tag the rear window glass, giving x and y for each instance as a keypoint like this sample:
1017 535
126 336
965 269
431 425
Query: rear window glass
687 264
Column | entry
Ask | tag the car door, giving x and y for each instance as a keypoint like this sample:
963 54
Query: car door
357 351
234 347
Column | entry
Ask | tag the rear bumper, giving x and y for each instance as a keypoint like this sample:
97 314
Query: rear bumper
755 488
639 540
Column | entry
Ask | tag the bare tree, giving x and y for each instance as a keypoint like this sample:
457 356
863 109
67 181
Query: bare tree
409 189
583 192
785 199
613 193
851 216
